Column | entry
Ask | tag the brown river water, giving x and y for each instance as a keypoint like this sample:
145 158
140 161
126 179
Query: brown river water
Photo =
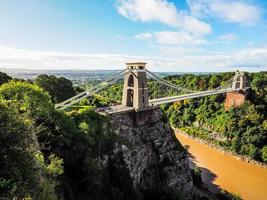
220 170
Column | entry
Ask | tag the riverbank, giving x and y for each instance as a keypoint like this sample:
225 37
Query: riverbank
221 170
223 150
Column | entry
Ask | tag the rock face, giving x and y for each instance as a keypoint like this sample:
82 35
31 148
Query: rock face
156 161
234 99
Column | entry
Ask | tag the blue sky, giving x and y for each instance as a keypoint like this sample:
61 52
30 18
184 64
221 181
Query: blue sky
170 35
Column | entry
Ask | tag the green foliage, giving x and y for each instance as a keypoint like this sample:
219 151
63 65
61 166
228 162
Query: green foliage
197 171
250 150
197 132
4 78
224 195
113 92
21 175
196 175
242 130
59 89
82 138
264 153
46 154
96 101
26 98
99 101
97 132
54 167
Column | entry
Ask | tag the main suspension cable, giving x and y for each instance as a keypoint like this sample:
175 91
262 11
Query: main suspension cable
91 92
161 80
116 76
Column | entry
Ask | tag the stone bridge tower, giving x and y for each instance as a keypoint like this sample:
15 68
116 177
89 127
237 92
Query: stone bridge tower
135 89
237 98
240 81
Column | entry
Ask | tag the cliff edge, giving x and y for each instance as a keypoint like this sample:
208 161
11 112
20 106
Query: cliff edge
156 161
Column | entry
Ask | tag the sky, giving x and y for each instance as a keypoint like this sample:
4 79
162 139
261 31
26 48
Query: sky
170 35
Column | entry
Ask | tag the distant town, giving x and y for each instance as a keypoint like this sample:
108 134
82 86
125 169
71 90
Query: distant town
76 76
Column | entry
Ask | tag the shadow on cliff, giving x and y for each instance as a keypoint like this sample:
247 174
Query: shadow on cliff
208 177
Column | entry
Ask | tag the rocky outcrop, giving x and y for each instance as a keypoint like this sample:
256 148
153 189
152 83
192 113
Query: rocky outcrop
156 161
234 99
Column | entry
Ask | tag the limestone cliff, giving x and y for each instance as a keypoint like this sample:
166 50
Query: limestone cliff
156 161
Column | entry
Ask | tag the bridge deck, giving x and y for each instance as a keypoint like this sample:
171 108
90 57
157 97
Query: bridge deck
156 102
237 80
118 109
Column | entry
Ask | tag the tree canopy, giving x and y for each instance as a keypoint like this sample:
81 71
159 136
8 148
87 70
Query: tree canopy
22 174
27 98
46 154
4 78
59 89
242 130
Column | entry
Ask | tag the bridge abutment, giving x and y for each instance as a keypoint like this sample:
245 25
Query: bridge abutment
138 118
237 98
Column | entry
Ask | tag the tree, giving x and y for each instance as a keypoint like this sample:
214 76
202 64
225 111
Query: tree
82 138
4 78
244 128
59 89
196 175
264 153
214 82
36 141
27 98
21 174
25 108
250 150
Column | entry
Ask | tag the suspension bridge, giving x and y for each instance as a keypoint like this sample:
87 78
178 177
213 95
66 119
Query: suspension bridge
136 93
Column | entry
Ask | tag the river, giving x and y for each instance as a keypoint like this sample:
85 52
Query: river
220 170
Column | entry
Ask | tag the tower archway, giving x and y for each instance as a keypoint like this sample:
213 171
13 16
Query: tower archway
130 97
131 81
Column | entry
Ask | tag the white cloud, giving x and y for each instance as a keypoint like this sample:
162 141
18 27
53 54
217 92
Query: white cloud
235 11
148 10
161 11
172 38
195 26
178 38
252 59
144 36
175 51
229 37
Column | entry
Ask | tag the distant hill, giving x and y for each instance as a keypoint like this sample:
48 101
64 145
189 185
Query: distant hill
77 76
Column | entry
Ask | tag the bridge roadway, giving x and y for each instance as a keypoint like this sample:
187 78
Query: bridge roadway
157 102
118 109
